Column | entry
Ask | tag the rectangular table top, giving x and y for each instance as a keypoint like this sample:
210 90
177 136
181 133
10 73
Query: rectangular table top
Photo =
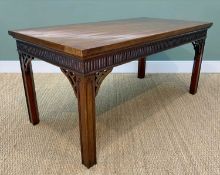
89 39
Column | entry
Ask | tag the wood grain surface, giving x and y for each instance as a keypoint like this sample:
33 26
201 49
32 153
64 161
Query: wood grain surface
89 39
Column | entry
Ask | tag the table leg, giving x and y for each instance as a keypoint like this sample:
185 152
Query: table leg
86 88
29 88
199 49
86 107
141 67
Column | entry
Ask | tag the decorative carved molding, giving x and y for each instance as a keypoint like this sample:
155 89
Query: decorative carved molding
74 79
198 45
136 52
25 60
51 56
108 60
99 77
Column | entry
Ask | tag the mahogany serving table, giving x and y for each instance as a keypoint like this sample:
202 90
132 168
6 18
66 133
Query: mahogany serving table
86 54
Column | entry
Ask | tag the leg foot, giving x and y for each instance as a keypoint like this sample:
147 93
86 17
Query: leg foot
29 88
199 48
141 67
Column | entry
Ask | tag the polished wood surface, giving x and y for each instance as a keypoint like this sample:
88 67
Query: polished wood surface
89 39
87 53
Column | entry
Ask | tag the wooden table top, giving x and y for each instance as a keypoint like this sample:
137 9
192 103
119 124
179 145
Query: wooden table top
89 39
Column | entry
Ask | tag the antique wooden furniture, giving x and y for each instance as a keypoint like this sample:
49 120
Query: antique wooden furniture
86 54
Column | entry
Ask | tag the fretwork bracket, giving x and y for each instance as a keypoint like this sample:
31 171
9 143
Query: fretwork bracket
198 46
25 60
75 79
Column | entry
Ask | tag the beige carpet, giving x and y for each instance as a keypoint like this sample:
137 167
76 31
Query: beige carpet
148 126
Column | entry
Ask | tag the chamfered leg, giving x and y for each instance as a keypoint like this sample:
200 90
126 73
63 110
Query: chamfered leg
29 88
86 88
86 107
199 49
141 67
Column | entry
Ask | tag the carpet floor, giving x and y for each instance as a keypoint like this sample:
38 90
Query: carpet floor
144 126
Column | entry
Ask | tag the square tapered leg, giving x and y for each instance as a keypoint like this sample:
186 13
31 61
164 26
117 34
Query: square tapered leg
141 67
29 87
86 107
199 49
